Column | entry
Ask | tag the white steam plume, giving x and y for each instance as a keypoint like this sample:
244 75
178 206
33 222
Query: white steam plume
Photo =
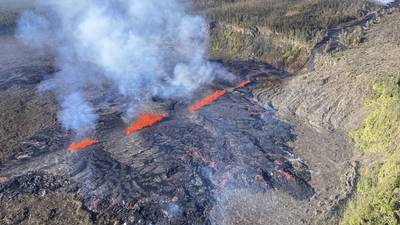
78 113
144 48
384 2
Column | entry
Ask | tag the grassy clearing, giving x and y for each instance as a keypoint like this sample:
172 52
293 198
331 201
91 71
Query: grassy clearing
378 191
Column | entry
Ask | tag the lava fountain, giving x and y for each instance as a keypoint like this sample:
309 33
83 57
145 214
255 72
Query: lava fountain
77 146
143 121
207 100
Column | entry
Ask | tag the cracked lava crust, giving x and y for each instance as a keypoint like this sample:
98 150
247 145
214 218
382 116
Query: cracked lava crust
171 172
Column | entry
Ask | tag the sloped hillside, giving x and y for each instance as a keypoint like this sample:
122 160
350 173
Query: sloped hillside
277 32
351 93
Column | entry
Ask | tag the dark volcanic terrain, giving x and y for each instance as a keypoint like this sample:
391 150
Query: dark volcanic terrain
172 173
276 151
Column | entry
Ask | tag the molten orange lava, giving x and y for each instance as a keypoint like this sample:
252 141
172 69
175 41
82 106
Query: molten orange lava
143 121
243 84
207 100
77 146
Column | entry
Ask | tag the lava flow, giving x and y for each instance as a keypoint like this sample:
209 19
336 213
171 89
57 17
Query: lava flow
243 84
143 121
77 146
207 100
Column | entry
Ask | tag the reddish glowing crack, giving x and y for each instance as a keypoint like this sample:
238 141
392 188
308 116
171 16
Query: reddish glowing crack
207 100
143 121
214 97
243 84
77 146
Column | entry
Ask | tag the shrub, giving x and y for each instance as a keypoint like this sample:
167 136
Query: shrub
377 199
299 23
381 129
351 39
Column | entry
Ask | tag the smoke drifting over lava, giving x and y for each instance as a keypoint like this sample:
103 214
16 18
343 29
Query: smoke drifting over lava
142 48
78 114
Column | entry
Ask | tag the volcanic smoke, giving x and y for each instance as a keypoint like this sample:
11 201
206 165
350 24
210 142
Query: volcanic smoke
207 100
144 49
143 121
77 146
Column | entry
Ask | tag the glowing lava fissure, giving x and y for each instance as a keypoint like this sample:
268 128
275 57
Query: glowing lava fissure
243 84
207 100
77 146
143 121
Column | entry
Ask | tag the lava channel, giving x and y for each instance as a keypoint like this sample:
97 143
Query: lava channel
77 146
143 121
207 100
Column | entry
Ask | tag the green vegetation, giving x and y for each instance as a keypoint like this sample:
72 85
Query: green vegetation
378 195
279 32
381 129
303 19
351 39
377 199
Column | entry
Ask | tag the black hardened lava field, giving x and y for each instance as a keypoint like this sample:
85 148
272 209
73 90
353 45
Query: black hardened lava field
172 172
199 112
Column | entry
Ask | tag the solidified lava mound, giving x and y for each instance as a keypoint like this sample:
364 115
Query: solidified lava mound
170 173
